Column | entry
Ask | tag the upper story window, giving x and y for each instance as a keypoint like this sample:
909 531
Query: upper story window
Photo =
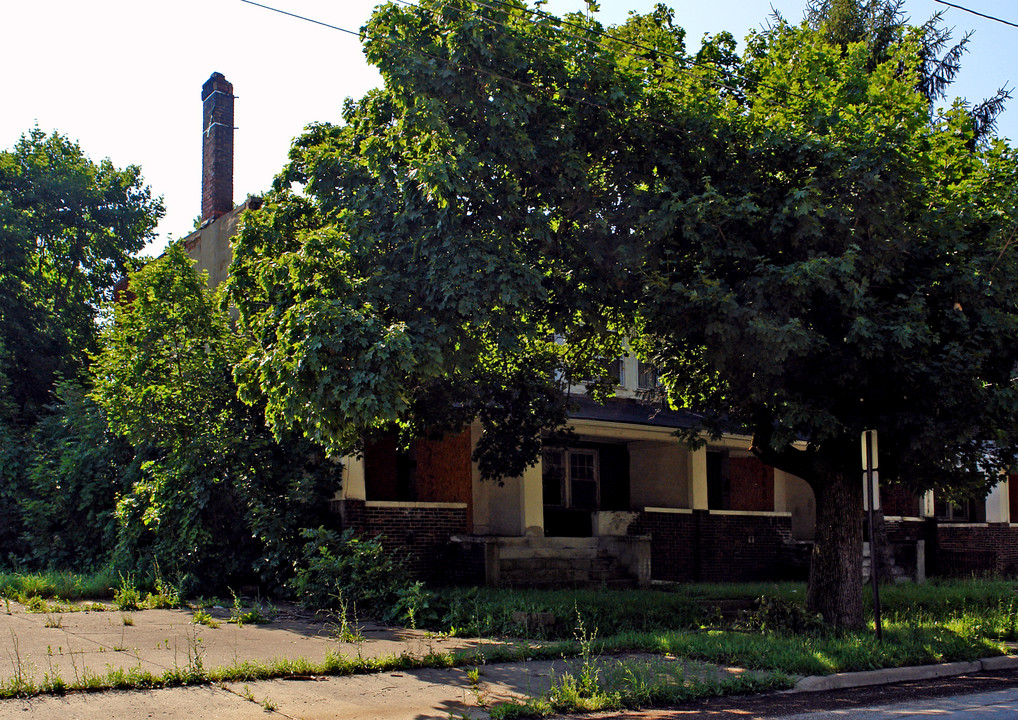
646 376
617 371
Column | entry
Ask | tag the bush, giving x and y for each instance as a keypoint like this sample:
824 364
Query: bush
336 570
775 614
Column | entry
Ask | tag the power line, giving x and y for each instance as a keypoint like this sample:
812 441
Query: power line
301 17
975 12
421 53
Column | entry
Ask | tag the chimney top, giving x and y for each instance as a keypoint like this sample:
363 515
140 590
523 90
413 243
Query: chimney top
217 147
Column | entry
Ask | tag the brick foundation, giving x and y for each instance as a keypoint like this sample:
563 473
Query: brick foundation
714 547
419 532
985 549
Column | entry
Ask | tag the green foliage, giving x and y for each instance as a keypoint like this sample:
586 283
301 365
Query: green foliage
414 607
127 596
68 227
490 611
776 614
216 498
336 569
76 470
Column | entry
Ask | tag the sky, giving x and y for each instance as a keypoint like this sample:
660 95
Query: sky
123 77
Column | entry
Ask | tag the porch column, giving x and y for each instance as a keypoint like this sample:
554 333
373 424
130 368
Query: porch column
353 479
698 479
998 508
927 505
532 500
780 491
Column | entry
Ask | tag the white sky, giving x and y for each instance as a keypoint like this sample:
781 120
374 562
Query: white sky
124 77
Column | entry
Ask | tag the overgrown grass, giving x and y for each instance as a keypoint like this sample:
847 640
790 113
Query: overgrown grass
487 612
194 672
632 684
58 584
937 622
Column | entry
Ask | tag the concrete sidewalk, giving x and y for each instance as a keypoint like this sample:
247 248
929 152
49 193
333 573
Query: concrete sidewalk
75 645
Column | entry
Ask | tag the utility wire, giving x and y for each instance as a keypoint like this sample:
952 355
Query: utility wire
421 53
975 12
301 17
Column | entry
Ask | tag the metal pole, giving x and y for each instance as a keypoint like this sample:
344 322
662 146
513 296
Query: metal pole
873 546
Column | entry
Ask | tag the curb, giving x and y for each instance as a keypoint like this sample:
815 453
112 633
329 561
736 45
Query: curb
839 681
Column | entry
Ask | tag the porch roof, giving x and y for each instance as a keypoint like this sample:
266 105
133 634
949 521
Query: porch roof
632 412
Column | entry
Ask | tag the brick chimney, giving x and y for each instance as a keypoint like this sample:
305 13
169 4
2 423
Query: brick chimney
217 148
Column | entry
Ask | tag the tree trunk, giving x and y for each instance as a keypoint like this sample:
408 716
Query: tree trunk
835 572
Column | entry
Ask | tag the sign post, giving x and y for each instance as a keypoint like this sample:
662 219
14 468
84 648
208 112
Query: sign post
869 456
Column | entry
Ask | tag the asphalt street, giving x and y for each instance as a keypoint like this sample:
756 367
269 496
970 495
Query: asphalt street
996 705
977 696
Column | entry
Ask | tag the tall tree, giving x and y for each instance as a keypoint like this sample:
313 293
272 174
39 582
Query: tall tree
215 499
68 228
799 242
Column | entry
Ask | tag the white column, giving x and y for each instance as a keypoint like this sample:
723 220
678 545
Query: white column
780 491
353 479
698 479
927 506
997 505
532 500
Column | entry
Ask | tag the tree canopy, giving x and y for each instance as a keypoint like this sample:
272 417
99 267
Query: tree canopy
803 245
68 228
213 495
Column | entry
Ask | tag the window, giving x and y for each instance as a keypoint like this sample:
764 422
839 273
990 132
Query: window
614 370
571 478
617 371
963 511
646 378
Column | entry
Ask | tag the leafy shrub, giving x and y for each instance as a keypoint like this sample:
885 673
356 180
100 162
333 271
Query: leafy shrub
415 606
342 568
775 614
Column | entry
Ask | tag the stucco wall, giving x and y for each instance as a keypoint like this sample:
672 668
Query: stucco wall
658 475
800 501
210 246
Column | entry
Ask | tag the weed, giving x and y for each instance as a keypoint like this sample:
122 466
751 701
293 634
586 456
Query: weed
201 617
414 605
165 595
53 622
345 629
126 596
256 614
474 675
269 705
127 620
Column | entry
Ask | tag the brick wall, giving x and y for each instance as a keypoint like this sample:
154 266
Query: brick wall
702 546
417 532
976 549
899 501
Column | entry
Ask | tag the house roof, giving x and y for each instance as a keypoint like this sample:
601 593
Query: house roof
632 412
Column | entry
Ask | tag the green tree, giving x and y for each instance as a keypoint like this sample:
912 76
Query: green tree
68 228
76 470
215 498
800 243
